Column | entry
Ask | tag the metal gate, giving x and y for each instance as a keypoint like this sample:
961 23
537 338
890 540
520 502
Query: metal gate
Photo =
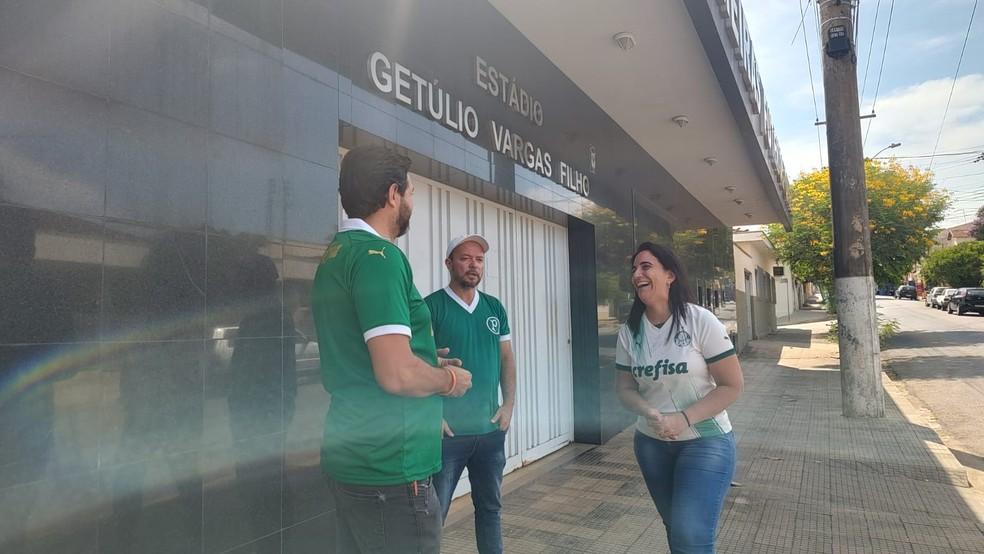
527 269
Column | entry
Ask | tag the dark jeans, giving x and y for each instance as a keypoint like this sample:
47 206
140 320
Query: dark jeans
688 481
485 458
392 519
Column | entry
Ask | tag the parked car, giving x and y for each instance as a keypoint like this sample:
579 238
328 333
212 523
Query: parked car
929 296
936 298
966 300
885 290
905 291
944 300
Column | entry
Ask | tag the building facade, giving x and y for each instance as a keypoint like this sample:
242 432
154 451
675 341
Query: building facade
955 235
168 183
768 292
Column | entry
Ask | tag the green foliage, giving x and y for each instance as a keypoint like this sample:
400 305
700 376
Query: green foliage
977 231
614 238
903 210
886 330
708 254
961 265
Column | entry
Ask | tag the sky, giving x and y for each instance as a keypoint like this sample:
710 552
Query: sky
924 43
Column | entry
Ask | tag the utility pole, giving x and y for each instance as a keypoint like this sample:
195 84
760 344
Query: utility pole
854 294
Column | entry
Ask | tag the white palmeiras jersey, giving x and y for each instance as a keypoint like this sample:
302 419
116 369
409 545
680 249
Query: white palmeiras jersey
672 371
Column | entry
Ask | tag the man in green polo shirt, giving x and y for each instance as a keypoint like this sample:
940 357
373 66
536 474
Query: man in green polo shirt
382 437
476 328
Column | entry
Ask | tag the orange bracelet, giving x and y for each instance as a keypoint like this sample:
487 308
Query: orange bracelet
454 382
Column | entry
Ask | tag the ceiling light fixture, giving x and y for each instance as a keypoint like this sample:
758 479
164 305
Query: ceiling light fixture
748 215
681 120
738 201
710 160
625 40
730 188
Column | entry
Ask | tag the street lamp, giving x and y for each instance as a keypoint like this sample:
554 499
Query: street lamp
890 146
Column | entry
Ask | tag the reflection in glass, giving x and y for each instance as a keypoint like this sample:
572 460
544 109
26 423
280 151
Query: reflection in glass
49 299
305 492
709 257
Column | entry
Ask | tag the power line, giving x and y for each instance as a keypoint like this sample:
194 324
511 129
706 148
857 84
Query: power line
969 194
932 155
950 164
942 167
967 200
813 90
874 27
953 83
801 23
963 176
963 193
888 30
969 186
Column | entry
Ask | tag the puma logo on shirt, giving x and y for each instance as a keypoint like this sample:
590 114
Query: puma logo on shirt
381 252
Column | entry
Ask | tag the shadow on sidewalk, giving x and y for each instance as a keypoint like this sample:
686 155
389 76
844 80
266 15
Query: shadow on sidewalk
967 459
914 368
809 479
771 347
918 339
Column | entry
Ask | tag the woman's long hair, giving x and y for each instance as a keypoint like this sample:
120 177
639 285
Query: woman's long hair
679 290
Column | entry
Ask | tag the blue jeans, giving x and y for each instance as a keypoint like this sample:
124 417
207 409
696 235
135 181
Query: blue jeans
485 458
392 519
688 481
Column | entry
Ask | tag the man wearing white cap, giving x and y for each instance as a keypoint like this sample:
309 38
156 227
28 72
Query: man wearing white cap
475 327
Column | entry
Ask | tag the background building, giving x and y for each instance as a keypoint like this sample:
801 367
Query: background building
168 182
768 292
955 235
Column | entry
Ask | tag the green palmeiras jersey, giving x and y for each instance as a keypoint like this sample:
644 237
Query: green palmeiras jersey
364 289
672 371
473 332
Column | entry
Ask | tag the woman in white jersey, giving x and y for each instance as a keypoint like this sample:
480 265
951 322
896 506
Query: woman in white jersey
678 371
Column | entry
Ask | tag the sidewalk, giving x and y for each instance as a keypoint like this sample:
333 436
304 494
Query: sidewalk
810 480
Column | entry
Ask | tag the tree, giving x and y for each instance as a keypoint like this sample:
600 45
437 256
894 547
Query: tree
977 231
903 209
961 265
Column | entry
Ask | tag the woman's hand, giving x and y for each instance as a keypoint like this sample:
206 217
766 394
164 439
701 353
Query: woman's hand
655 420
673 425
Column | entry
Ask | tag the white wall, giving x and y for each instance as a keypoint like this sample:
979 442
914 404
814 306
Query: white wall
787 301
752 254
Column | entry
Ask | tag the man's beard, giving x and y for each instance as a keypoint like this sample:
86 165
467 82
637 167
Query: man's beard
464 283
403 220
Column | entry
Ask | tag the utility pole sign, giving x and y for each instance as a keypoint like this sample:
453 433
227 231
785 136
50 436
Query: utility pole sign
854 294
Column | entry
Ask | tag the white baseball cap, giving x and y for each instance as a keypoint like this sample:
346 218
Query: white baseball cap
457 241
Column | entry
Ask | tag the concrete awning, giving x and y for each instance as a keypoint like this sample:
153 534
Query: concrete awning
687 61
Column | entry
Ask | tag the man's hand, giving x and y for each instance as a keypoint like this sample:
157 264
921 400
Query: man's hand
444 361
446 429
503 416
463 380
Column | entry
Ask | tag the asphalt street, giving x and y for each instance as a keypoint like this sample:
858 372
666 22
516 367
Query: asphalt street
940 359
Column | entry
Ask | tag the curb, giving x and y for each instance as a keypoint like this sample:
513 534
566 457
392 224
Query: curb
923 418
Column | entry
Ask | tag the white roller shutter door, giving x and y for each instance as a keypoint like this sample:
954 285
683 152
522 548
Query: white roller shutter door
527 269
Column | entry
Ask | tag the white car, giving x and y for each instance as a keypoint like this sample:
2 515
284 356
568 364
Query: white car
944 298
931 300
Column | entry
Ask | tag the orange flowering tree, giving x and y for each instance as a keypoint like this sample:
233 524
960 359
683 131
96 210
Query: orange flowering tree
904 208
